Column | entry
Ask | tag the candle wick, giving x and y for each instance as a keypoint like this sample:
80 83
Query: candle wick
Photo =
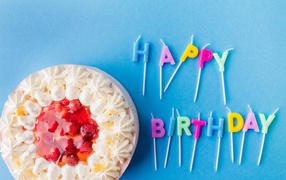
275 111
162 42
249 108
229 111
152 116
230 49
178 112
138 38
206 45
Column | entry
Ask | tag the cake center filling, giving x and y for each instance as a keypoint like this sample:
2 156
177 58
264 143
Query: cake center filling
65 132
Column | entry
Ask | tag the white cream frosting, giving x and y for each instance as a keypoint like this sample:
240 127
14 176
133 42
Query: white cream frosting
15 100
72 92
97 107
8 122
68 172
54 171
25 170
108 171
26 137
32 85
44 99
115 104
54 76
33 108
124 126
29 153
77 76
28 122
82 171
41 164
85 97
58 92
100 86
107 106
121 150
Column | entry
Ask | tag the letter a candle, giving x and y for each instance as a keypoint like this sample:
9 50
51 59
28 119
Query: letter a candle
166 57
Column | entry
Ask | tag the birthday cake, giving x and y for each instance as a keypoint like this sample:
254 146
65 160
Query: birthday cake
68 122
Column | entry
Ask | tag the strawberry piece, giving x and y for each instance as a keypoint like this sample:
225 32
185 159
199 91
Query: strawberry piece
73 129
86 147
74 105
71 160
61 110
53 155
62 132
65 102
88 130
52 126
70 148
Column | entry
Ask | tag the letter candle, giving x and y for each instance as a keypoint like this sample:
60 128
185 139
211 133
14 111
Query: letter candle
198 124
183 123
205 56
170 134
233 128
219 128
166 57
158 131
250 123
220 62
265 125
145 53
190 52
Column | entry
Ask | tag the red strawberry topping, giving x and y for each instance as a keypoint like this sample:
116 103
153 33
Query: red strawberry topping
71 160
74 105
86 147
73 129
88 130
61 110
53 155
53 126
65 132
70 148
65 102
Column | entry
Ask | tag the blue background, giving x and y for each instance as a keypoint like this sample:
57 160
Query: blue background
38 34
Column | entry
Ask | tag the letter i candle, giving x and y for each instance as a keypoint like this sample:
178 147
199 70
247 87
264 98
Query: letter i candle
158 131
219 128
190 52
170 134
265 125
183 123
198 124
221 62
166 57
145 53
